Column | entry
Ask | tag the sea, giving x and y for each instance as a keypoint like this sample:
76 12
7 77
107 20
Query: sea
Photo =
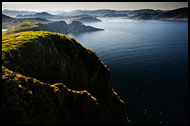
148 62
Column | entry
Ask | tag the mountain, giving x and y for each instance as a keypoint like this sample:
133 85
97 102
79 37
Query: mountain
87 19
176 14
93 13
43 15
115 15
14 13
50 78
141 11
82 18
111 13
77 27
8 22
63 27
59 27
6 18
142 16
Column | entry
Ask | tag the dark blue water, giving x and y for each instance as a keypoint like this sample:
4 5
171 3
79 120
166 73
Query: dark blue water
148 65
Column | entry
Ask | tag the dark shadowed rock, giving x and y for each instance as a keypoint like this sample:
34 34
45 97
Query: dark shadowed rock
77 27
60 81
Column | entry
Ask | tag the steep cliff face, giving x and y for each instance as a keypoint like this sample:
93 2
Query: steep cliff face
56 58
26 100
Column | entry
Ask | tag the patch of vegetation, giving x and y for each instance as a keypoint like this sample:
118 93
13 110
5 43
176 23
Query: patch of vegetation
26 26
14 41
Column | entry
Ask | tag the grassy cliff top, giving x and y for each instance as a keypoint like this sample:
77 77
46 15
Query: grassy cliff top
26 26
15 40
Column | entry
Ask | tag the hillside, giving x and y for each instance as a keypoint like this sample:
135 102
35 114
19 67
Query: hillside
115 15
81 18
143 16
14 13
8 22
26 26
59 27
43 15
78 27
50 78
176 14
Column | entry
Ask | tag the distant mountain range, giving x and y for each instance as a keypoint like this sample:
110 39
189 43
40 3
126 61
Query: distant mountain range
91 15
14 13
96 13
177 14
43 15
69 19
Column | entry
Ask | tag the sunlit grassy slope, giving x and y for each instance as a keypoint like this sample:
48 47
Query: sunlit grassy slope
26 26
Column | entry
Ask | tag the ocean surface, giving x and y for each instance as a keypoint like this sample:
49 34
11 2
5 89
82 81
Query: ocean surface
148 62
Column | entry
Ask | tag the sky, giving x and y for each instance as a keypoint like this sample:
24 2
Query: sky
69 6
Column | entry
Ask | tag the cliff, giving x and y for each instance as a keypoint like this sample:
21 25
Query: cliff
50 78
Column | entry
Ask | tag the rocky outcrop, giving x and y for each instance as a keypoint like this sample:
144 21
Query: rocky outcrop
78 27
72 86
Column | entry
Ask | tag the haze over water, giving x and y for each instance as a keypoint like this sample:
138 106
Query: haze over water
148 65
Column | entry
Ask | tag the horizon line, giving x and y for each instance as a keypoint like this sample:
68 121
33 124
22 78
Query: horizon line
96 9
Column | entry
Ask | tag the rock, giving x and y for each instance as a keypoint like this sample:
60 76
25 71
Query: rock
68 84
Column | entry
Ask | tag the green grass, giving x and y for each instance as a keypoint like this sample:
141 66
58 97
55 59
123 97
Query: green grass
26 26
13 41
